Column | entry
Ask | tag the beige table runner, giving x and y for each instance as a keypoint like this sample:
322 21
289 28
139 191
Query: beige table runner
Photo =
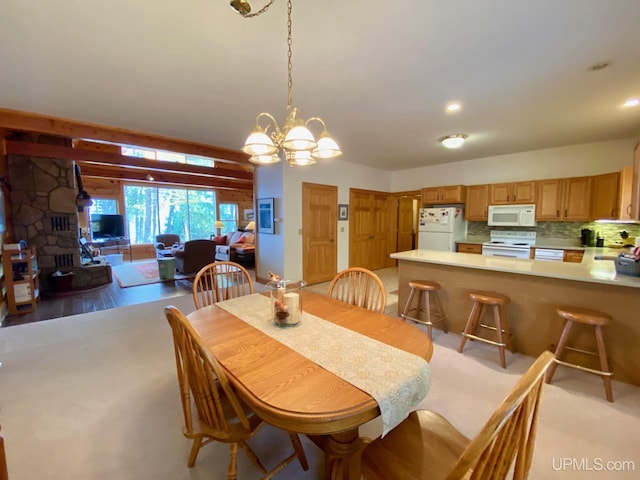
398 380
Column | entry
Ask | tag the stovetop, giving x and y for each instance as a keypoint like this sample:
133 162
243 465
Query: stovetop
512 238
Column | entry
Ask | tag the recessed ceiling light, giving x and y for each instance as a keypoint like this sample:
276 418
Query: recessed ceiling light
632 102
453 107
454 140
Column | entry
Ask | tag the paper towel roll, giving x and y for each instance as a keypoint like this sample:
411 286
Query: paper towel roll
637 241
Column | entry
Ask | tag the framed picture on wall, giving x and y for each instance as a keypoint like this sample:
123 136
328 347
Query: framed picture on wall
266 223
248 214
343 212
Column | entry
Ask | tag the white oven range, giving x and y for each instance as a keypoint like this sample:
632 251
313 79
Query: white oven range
509 243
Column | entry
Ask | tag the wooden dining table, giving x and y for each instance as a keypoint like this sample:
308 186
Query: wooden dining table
291 392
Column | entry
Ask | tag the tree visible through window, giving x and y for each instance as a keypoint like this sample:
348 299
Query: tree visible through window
151 211
229 216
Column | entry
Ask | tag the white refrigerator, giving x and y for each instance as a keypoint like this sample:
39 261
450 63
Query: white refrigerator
441 228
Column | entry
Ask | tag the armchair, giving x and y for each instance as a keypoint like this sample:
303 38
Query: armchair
195 255
164 243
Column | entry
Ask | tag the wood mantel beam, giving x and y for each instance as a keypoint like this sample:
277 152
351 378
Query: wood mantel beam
33 122
121 161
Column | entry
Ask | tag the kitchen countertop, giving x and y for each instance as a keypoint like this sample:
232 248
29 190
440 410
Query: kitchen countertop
596 267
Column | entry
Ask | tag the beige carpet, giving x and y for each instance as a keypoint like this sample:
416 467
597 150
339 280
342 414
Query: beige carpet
94 396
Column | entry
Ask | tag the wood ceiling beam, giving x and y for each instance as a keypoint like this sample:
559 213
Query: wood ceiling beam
122 161
33 122
111 171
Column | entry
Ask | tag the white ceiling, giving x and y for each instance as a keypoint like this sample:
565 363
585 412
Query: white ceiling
378 72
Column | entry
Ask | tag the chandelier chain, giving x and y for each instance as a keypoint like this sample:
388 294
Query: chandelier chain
289 64
259 12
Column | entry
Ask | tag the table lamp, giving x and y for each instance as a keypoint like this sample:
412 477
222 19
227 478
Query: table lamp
250 226
218 225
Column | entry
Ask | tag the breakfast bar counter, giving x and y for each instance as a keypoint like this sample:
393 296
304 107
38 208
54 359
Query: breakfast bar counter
536 288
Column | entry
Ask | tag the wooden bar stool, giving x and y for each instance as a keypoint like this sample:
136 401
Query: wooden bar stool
597 320
501 327
427 291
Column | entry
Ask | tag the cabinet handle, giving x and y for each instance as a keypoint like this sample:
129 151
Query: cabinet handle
613 212
558 213
629 209
565 214
486 213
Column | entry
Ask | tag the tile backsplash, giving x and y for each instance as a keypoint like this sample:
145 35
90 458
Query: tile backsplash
563 230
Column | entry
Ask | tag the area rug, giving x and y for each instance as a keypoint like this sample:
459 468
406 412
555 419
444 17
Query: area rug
142 273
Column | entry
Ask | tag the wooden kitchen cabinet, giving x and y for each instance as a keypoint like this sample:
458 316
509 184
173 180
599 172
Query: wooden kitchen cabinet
470 248
563 199
443 195
573 256
605 196
512 193
611 195
477 203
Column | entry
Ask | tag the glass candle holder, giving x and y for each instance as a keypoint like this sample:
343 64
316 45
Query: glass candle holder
286 301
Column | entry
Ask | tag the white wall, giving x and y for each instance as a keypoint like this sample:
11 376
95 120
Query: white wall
282 252
571 161
270 248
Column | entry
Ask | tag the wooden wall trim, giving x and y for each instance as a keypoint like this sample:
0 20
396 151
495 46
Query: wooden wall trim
33 122
88 157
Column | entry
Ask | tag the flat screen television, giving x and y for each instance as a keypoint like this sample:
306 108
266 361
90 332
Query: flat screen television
107 226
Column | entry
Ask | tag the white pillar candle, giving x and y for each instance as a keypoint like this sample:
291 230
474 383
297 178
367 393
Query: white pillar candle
292 301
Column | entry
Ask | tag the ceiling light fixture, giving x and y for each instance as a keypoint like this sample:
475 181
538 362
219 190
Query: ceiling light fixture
453 141
294 139
632 102
453 107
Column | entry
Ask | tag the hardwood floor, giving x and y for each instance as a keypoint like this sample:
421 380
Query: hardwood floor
100 298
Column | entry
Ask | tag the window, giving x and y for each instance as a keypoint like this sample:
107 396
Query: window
104 205
165 156
151 211
229 216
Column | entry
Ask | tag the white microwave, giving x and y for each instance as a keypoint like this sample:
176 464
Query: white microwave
512 215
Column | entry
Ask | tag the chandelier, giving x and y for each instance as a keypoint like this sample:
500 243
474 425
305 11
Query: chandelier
294 139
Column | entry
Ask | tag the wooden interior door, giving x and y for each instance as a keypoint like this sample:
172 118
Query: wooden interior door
319 230
371 229
407 216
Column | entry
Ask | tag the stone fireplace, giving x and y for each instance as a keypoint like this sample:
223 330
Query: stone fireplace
44 214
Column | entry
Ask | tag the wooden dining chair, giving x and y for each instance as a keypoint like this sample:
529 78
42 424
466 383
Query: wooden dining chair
212 411
359 286
426 446
221 281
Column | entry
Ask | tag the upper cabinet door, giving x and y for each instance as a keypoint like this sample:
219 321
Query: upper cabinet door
605 196
499 193
477 203
523 192
577 199
453 194
549 200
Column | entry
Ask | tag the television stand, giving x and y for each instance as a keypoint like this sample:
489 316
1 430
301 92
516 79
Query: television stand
112 245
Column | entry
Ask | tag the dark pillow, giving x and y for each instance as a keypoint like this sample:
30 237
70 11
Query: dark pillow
220 240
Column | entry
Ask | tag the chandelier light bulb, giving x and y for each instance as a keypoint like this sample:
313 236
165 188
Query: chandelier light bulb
259 143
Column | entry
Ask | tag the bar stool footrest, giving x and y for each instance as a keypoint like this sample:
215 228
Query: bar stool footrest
584 369
485 340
